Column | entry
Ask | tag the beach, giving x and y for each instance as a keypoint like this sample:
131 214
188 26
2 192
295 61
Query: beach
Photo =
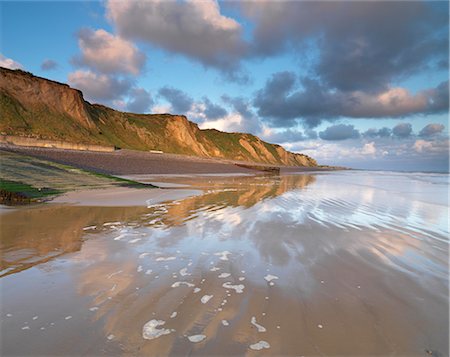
300 264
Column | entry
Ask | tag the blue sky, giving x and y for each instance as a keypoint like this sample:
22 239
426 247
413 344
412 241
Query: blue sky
363 84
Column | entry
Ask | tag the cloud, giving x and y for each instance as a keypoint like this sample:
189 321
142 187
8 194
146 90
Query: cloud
238 118
438 98
285 136
140 101
434 147
180 101
361 46
99 87
284 100
9 63
250 122
431 129
422 145
279 103
195 29
48 65
369 149
230 123
339 132
213 111
382 133
402 130
161 109
107 53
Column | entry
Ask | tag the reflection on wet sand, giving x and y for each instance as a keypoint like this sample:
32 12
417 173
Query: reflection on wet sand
232 192
291 265
35 235
31 236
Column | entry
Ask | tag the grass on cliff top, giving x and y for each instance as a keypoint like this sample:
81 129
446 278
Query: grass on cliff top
27 179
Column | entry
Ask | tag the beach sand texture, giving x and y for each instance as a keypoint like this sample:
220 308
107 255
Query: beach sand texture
324 264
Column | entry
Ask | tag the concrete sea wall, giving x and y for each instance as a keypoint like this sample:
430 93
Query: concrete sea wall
23 141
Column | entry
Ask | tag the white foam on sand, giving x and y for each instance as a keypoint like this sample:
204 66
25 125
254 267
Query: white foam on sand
225 323
238 288
95 308
111 224
206 298
196 338
150 330
258 326
214 269
173 315
241 278
224 275
148 272
183 272
139 268
223 255
89 227
260 345
179 283
196 290
270 277
165 259
143 255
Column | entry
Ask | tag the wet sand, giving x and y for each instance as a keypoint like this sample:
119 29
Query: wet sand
123 196
325 264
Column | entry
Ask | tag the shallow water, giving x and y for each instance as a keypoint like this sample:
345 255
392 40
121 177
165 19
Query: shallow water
338 263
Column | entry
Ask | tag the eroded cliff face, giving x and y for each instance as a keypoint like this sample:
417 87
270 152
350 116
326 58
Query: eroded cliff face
40 108
40 93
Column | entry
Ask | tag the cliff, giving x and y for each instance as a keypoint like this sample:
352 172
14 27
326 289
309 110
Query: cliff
39 108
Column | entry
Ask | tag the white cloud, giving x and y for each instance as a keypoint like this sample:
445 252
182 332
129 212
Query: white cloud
231 123
369 149
195 29
161 109
9 63
99 87
107 53
422 145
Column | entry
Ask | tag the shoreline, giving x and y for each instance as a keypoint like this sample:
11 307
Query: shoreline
132 162
115 179
123 197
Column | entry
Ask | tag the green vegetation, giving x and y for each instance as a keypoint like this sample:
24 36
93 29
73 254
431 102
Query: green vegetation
26 179
58 112
228 143
121 181
13 192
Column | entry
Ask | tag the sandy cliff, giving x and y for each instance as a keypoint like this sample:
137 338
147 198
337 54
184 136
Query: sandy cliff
40 108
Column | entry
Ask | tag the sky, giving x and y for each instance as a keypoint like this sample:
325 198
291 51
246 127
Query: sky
355 83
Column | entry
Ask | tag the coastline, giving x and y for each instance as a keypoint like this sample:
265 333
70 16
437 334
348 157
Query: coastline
133 162
121 178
